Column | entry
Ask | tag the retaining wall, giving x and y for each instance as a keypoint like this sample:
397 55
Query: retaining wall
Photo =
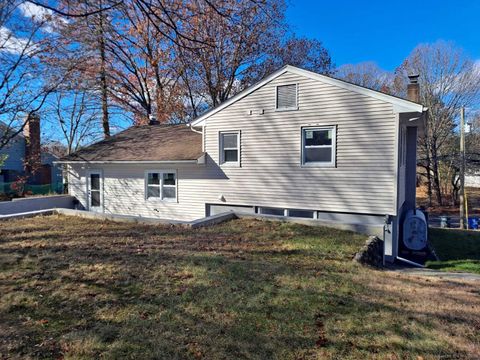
30 204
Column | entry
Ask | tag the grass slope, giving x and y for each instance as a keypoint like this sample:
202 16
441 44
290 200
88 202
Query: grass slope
77 288
459 250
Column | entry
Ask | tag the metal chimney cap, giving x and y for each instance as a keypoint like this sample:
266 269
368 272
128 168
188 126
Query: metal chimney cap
152 120
413 78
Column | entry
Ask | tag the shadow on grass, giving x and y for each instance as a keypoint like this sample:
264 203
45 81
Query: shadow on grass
245 289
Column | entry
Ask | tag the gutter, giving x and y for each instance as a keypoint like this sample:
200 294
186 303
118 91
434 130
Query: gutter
198 161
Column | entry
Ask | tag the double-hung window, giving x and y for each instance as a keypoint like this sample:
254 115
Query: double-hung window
318 146
230 148
161 185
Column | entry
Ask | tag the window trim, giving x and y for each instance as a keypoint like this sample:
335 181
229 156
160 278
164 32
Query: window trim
161 173
221 149
333 161
296 98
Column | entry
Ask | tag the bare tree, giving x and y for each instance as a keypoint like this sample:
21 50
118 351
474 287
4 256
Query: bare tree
448 81
80 50
22 91
75 113
244 44
172 59
367 74
143 75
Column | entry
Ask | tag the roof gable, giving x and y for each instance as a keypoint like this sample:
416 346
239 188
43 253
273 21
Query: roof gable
400 105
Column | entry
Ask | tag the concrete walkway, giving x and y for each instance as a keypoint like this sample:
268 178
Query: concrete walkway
438 274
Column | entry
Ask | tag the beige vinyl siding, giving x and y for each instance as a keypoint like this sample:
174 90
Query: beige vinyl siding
124 190
270 172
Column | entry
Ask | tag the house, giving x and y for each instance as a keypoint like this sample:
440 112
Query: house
472 179
23 156
296 144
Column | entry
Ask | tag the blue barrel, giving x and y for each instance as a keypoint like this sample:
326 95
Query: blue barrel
473 223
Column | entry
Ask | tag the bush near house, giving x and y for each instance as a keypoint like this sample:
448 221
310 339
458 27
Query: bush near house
77 288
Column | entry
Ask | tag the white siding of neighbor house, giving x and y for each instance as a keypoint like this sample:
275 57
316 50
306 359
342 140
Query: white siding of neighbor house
472 180
271 174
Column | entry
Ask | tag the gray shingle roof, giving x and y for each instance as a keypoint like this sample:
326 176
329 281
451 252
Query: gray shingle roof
144 143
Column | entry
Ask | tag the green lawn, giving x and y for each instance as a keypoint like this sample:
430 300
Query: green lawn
74 288
458 250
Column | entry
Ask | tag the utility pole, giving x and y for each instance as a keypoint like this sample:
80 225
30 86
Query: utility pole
462 168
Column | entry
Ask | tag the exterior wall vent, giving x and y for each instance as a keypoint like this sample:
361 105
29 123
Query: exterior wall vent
287 97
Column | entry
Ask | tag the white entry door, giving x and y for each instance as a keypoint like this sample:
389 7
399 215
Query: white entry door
95 190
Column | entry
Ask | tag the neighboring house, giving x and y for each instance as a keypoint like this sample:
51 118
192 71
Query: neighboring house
13 154
296 144
472 180
23 146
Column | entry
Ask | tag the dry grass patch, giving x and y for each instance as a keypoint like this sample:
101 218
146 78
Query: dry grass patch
77 288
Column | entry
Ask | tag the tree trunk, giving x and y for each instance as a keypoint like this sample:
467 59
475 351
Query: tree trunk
429 181
103 77
428 163
436 177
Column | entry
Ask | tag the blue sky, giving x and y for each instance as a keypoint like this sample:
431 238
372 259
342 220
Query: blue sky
385 31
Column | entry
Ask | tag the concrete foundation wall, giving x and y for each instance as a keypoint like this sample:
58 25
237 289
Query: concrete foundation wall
36 203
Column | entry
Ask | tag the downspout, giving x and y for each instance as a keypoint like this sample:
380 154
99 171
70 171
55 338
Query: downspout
191 128
199 132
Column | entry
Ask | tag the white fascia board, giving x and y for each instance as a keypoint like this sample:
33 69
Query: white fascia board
200 120
198 161
400 105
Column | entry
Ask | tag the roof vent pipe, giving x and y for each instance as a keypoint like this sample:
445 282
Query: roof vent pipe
413 88
152 120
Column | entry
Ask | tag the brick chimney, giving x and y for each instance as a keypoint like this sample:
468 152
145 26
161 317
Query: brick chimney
31 132
413 88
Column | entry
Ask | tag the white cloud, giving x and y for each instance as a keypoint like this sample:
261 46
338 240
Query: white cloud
34 11
10 43
41 15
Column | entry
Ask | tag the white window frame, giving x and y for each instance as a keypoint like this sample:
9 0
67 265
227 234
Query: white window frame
161 185
100 208
296 98
333 161
222 149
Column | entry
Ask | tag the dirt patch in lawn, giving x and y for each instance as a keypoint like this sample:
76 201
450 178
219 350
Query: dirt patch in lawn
77 288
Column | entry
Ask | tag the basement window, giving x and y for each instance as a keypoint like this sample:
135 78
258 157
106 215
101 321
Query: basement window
271 211
307 214
161 185
296 213
286 97
318 146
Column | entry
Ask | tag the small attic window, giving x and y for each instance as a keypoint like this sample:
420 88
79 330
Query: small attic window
286 97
